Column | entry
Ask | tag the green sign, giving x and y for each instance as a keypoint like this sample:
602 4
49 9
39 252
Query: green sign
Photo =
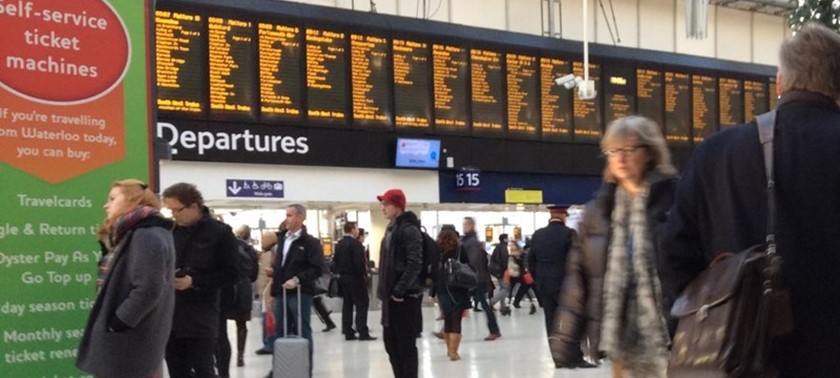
74 117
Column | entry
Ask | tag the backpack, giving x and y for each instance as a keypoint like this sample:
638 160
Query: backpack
247 262
431 260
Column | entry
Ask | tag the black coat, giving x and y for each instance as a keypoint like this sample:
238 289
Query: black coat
550 246
237 300
305 261
206 251
499 260
349 258
452 298
399 277
478 259
721 207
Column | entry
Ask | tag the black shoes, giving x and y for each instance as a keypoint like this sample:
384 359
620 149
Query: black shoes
366 338
350 336
330 327
533 310
505 311
263 351
240 362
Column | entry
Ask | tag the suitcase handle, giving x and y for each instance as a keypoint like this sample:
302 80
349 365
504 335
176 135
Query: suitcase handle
286 315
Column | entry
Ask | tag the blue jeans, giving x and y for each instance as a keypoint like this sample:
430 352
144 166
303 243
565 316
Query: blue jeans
291 306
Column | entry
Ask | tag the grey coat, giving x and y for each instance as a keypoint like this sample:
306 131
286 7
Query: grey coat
138 290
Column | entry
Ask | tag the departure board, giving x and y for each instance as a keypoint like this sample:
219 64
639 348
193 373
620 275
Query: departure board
522 104
650 95
774 97
179 68
411 84
555 101
487 95
280 78
231 49
587 113
677 107
369 72
449 75
325 75
755 99
731 102
619 92
703 106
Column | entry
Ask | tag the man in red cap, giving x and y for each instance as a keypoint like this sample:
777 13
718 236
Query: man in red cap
400 262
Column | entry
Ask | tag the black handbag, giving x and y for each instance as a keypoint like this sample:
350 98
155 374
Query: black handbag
334 288
729 314
458 274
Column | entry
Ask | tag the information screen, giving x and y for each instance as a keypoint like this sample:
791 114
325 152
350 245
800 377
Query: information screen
731 102
619 92
179 57
411 84
755 99
487 94
369 71
703 91
280 75
556 101
650 93
449 66
231 77
522 106
677 107
588 112
325 75
774 99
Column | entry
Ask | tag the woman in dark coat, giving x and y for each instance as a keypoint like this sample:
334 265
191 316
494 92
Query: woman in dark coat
611 292
130 321
452 300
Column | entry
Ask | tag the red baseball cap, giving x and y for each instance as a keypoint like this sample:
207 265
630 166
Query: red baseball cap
395 197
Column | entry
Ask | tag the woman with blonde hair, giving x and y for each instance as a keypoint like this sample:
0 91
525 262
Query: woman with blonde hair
130 321
612 290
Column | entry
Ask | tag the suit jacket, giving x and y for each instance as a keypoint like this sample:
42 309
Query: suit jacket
350 258
721 206
305 260
478 259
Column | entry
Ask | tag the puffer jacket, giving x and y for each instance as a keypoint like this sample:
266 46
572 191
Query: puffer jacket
581 298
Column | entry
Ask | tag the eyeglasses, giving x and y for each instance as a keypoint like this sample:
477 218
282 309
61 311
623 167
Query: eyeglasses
623 151
178 210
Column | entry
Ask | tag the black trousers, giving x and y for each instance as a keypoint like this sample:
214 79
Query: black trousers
190 357
401 337
549 304
452 321
480 298
322 312
354 294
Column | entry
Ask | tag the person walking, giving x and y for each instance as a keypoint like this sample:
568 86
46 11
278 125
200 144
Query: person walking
401 259
478 260
721 202
453 300
546 260
129 323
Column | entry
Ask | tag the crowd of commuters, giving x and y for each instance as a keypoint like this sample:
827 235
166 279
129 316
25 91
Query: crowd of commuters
168 286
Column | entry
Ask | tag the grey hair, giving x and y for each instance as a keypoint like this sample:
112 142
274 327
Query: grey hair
299 209
810 61
647 133
243 232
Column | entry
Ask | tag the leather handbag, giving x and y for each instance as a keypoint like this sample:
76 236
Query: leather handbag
729 314
458 274
527 278
334 287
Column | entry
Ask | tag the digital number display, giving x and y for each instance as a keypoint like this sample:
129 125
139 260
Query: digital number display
587 112
449 73
411 84
731 103
231 48
556 101
523 105
703 91
280 84
179 68
325 75
369 70
487 95
650 95
677 107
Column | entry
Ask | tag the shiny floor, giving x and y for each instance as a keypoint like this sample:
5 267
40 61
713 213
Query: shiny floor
522 351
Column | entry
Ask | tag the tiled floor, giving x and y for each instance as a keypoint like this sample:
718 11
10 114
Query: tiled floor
522 351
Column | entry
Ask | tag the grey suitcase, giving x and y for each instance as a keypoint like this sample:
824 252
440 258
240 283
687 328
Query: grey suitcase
291 353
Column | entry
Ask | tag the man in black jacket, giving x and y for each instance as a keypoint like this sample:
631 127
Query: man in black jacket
478 259
400 262
205 261
299 262
550 246
499 257
721 203
350 263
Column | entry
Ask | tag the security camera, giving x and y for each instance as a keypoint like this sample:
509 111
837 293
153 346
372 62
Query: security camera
568 81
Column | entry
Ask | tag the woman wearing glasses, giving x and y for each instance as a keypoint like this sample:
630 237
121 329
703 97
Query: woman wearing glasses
612 282
129 324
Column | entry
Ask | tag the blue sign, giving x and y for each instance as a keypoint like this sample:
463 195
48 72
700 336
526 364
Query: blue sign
468 180
254 188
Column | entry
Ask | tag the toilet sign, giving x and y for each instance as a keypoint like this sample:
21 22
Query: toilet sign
254 188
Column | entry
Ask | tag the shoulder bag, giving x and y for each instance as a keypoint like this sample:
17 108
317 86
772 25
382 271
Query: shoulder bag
729 314
458 274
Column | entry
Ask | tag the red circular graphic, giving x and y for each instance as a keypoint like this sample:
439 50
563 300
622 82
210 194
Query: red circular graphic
58 51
